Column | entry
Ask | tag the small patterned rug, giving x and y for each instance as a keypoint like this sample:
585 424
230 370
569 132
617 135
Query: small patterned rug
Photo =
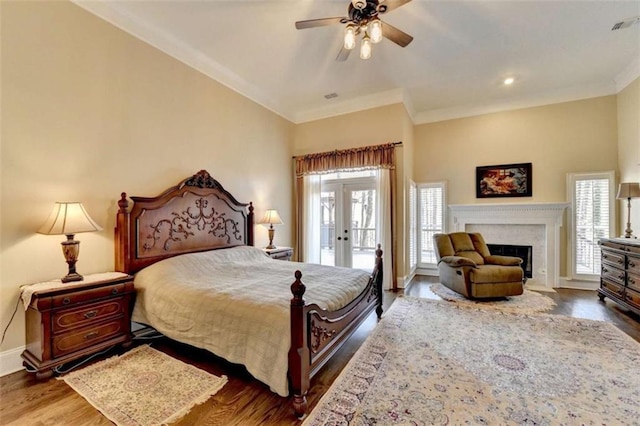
528 302
144 387
430 362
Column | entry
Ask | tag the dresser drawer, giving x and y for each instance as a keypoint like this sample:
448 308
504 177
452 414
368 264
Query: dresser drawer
633 281
613 244
81 338
87 314
633 264
613 287
612 258
632 297
612 273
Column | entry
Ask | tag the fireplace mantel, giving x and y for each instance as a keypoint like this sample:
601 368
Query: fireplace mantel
548 214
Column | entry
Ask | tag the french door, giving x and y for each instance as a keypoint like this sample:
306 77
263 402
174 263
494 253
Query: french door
348 222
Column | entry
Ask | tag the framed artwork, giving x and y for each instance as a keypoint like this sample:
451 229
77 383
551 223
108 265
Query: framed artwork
506 180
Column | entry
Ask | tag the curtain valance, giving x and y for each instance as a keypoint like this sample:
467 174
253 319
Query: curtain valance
375 156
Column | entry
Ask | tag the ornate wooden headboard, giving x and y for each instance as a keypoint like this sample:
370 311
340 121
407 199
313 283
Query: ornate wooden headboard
198 214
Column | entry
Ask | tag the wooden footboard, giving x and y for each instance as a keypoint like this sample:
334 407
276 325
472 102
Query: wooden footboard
316 334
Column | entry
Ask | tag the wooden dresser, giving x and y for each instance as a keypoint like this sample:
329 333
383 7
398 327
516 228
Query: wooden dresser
620 273
65 322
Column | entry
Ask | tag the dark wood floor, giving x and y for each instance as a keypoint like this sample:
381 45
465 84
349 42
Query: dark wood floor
244 401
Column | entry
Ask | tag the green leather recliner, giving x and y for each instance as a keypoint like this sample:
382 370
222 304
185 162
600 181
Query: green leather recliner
466 266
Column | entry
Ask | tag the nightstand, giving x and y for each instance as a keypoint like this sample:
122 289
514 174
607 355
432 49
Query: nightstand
66 321
280 253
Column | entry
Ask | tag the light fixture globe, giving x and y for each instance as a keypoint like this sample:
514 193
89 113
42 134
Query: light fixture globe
350 37
375 29
365 47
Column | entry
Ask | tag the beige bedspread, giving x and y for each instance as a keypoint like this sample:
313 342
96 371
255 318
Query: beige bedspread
235 303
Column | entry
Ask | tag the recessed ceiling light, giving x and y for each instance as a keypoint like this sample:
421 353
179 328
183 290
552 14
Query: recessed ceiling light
508 81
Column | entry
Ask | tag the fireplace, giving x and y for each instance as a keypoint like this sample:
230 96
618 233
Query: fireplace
529 224
523 252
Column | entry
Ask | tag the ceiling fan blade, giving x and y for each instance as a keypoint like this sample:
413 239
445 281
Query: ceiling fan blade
397 36
388 5
312 23
343 54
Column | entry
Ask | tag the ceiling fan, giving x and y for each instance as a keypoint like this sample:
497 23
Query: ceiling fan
363 19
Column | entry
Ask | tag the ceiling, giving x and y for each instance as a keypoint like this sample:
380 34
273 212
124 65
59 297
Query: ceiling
462 51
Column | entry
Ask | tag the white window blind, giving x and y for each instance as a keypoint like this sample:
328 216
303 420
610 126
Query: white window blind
431 217
592 219
413 226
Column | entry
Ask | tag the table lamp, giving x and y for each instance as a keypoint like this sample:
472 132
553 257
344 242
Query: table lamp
628 190
271 217
68 219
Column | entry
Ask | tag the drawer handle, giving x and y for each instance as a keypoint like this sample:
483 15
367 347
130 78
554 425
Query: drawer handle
90 314
632 264
604 269
620 261
605 256
621 276
631 281
91 335
114 291
66 301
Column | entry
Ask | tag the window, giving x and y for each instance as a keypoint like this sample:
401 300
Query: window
592 218
431 219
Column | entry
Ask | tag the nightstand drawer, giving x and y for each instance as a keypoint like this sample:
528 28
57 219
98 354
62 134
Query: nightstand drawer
90 295
82 316
88 336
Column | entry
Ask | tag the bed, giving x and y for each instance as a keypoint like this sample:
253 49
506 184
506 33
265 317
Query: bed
200 281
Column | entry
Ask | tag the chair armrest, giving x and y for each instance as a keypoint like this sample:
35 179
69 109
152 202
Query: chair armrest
457 261
503 260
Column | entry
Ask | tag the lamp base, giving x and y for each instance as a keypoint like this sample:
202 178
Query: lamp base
72 277
270 247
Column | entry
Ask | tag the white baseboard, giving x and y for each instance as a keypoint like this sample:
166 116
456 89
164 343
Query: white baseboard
427 271
565 282
10 361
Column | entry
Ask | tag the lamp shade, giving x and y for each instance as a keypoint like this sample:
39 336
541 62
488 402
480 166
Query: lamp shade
271 217
68 218
628 190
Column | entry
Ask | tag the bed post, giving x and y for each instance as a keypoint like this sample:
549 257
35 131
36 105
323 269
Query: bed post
122 235
379 279
299 361
250 224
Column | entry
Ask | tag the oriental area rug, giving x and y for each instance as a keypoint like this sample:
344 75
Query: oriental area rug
527 303
432 362
144 387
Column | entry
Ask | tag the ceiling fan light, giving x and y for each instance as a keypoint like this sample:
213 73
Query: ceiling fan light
350 37
375 27
365 47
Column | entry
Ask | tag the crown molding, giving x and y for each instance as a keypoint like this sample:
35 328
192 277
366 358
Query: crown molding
574 93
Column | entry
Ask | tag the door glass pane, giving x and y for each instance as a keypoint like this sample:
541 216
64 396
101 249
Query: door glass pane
328 228
363 228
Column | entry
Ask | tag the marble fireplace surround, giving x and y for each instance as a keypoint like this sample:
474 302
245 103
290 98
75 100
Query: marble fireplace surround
540 220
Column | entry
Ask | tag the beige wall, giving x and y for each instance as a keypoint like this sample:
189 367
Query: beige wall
89 111
558 139
629 149
370 127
